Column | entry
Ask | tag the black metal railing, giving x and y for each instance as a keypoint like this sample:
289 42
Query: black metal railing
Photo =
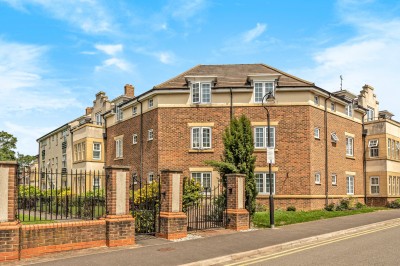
51 195
145 204
209 210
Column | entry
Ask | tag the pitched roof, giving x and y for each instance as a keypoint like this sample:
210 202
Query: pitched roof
233 76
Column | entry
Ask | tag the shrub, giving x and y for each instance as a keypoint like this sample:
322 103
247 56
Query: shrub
359 205
291 209
343 205
261 207
330 207
192 193
394 204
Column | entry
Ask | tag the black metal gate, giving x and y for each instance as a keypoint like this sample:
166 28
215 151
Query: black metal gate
145 204
209 211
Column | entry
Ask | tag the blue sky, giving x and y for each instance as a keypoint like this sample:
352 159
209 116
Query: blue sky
56 55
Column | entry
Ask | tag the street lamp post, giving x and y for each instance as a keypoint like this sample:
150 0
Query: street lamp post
267 96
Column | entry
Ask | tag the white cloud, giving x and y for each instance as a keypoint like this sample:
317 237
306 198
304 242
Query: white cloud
165 57
110 49
27 136
184 10
254 33
88 15
371 56
116 62
23 84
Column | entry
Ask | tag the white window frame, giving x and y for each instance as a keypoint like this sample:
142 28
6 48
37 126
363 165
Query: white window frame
374 185
134 139
134 110
350 185
201 142
202 92
265 186
119 148
373 146
150 135
349 109
370 114
150 177
316 132
150 103
349 146
96 150
389 151
334 179
390 185
264 90
99 120
316 99
96 182
317 177
334 137
202 177
119 114
333 107
264 143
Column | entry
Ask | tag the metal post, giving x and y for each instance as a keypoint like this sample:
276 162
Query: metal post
271 196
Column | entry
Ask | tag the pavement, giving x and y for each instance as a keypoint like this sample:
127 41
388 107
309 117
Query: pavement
219 246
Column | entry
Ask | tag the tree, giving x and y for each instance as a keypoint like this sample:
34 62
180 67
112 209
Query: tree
7 145
25 160
238 157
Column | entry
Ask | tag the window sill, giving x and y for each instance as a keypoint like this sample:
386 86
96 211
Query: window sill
201 151
318 184
317 138
264 195
119 158
264 150
350 157
335 185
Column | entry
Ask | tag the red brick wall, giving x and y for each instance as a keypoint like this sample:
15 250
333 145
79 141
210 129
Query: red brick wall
131 152
46 238
298 154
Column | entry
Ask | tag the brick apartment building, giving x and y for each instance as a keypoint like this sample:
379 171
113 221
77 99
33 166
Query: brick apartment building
179 124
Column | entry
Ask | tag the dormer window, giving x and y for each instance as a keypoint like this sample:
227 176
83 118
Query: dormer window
349 109
262 88
201 92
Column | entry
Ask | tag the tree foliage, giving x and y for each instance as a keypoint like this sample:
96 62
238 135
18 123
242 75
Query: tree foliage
238 157
7 146
25 160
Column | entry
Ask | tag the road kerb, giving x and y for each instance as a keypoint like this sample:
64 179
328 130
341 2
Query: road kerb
288 245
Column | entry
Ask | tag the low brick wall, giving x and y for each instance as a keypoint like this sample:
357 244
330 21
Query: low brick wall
46 238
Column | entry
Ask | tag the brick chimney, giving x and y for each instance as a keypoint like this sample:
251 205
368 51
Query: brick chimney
129 90
89 110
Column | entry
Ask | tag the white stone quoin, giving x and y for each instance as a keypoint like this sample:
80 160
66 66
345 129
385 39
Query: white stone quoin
4 194
121 193
176 186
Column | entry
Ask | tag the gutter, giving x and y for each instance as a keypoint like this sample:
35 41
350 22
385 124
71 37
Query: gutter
141 137
326 150
364 134
231 107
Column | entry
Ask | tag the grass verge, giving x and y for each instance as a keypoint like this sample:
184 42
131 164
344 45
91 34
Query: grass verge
261 219
31 220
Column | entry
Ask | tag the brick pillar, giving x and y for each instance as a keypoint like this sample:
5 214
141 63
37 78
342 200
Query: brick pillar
9 226
120 225
173 222
238 216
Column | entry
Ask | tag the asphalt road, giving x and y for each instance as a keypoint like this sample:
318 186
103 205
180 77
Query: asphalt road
374 247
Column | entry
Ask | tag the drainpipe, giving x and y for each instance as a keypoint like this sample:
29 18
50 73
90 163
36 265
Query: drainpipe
231 107
141 138
105 140
364 134
326 150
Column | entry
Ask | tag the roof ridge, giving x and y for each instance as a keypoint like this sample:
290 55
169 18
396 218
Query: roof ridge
287 74
160 85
